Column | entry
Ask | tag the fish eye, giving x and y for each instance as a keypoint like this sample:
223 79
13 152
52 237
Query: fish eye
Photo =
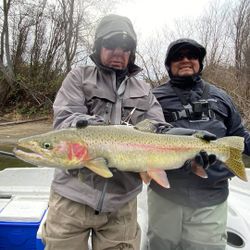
47 145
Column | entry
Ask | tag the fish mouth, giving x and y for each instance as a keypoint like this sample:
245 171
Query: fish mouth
31 152
26 154
29 156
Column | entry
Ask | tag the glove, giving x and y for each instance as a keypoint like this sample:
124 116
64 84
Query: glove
90 121
199 164
203 134
203 159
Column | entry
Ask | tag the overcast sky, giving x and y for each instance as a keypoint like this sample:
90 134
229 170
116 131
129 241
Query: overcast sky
147 15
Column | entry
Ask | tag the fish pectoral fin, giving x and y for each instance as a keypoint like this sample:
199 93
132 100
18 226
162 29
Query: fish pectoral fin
99 166
198 170
145 177
159 176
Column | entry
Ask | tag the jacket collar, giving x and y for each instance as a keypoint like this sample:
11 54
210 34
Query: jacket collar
185 82
133 69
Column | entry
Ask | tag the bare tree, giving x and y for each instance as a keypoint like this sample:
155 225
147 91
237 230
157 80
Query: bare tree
5 55
53 56
241 31
41 40
147 75
151 58
20 36
247 67
71 19
213 32
240 36
39 27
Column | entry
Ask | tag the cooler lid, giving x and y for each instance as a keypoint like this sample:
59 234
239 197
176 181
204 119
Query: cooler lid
24 209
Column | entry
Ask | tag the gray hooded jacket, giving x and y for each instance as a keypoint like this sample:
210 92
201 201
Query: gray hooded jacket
91 92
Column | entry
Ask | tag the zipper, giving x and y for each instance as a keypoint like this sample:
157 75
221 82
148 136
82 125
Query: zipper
101 200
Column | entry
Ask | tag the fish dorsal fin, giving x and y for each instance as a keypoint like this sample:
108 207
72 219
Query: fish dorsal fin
146 126
99 166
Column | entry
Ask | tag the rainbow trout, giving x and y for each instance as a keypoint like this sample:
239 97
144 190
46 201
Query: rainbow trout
125 148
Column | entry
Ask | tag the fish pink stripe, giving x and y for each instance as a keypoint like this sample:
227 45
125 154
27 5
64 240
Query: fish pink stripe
154 147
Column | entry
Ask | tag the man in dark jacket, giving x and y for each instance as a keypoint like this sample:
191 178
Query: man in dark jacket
192 214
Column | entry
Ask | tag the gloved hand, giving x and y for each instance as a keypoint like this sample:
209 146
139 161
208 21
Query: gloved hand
203 159
169 129
90 121
199 164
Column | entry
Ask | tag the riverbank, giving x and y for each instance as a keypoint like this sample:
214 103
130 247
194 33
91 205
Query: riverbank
9 134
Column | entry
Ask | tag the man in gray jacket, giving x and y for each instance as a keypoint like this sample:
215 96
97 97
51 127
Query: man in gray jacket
105 93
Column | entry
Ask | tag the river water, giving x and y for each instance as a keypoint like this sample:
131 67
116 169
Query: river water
10 162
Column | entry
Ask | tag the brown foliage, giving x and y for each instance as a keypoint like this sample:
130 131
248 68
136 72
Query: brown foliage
237 88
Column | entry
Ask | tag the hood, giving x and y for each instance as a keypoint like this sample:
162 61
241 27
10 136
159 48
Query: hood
132 70
114 24
111 25
184 43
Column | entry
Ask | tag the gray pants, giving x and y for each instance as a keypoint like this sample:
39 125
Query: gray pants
69 224
176 227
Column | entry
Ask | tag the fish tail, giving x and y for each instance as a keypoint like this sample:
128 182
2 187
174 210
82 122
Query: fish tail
235 164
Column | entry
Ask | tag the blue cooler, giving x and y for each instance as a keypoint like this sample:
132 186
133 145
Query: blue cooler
20 219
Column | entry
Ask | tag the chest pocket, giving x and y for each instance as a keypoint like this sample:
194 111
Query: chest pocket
221 116
99 104
220 111
135 109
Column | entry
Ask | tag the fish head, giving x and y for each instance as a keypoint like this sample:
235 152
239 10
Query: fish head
61 148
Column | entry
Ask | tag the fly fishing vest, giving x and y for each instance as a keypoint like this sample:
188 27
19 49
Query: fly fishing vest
194 111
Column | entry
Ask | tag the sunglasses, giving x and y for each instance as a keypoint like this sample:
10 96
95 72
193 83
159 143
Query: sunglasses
190 55
118 42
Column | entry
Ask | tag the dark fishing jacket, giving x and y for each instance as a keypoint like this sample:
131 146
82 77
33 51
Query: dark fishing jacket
214 112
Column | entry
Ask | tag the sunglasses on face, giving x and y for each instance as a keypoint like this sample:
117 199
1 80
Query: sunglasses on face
190 55
113 43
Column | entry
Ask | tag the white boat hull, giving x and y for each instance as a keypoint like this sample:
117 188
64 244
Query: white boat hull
18 183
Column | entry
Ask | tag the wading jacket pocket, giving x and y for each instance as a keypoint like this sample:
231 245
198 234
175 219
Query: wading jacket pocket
134 109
